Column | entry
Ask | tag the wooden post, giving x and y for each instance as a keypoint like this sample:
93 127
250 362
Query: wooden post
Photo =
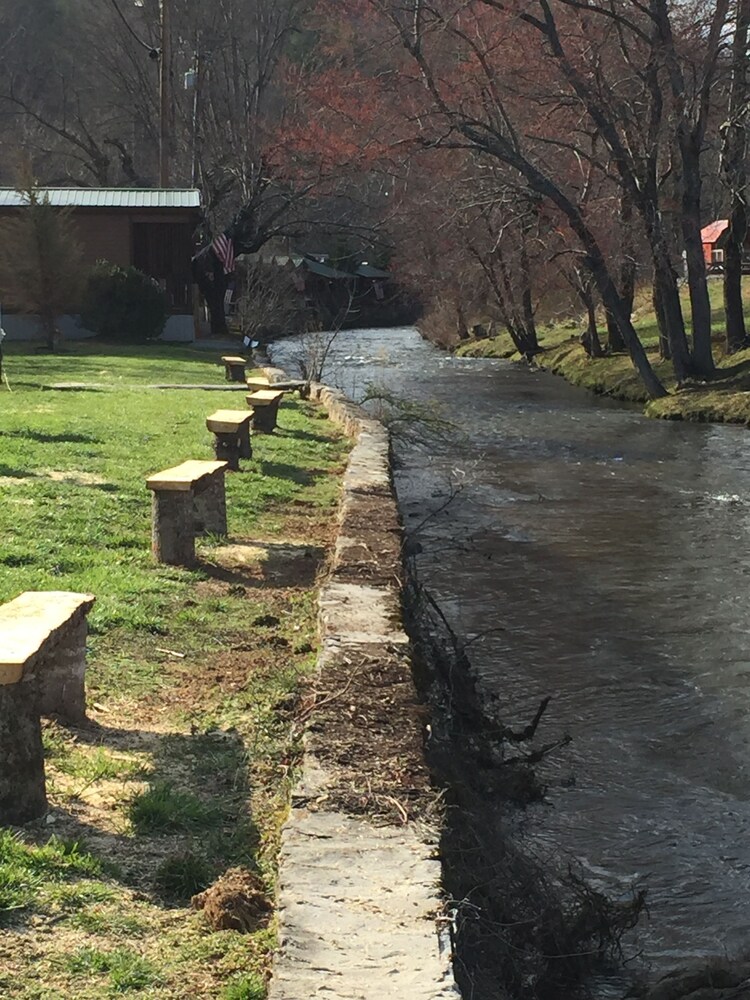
210 507
42 666
234 368
232 435
246 448
23 795
62 676
165 95
187 498
172 530
227 448
265 405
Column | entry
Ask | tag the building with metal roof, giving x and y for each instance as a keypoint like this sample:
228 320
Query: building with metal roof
714 238
124 198
152 229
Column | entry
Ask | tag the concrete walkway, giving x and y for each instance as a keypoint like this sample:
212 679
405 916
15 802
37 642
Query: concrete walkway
359 900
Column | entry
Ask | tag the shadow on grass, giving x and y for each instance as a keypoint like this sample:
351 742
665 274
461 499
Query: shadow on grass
190 823
303 436
280 470
9 472
41 438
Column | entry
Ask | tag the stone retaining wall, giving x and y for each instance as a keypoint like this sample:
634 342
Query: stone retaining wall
359 897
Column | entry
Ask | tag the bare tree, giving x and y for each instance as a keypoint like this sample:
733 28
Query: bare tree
488 125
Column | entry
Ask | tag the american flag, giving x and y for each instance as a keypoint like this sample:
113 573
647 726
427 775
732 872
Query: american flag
223 247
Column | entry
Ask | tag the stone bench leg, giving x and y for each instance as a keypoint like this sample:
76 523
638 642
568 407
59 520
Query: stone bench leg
23 796
235 373
227 449
173 527
210 507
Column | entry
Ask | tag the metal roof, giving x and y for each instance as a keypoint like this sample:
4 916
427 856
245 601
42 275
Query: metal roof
368 271
712 232
108 197
324 270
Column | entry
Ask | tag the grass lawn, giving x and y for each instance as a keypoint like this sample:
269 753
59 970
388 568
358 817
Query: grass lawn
193 677
726 398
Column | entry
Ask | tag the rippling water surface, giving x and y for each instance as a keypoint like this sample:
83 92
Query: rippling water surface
614 552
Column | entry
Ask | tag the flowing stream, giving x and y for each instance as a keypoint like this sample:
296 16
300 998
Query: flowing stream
614 553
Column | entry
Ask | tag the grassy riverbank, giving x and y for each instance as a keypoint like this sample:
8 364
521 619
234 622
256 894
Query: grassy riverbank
194 675
724 399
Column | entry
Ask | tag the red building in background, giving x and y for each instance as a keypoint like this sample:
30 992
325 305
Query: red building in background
713 237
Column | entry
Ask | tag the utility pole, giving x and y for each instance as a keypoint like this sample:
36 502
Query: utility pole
193 81
165 95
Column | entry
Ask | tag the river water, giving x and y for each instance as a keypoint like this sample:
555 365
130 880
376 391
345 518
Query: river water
614 553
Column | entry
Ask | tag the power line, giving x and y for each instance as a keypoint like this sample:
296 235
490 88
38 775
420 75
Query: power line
132 32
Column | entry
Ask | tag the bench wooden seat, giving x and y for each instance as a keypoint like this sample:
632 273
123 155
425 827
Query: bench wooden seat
42 672
231 430
234 368
265 403
257 383
188 498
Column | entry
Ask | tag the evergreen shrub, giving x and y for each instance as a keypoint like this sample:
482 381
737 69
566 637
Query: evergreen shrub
123 304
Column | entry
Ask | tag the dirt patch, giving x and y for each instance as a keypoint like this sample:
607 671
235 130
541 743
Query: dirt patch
369 545
264 563
235 902
366 730
75 477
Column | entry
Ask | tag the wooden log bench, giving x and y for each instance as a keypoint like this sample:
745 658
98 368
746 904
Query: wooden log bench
234 368
231 430
42 672
265 404
257 383
188 500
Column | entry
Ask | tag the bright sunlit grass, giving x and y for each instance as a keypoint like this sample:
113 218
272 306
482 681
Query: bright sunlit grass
187 767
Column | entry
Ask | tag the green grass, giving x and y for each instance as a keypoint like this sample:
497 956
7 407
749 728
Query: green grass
27 870
165 809
189 767
100 921
125 969
724 398
244 988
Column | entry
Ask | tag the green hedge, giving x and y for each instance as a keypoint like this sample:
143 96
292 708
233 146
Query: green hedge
123 304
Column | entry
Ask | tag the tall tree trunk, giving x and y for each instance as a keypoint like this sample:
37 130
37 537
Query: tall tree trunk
209 276
736 333
590 339
674 323
462 330
700 305
527 303
627 293
615 342
615 338
734 156
50 331
527 300
661 322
